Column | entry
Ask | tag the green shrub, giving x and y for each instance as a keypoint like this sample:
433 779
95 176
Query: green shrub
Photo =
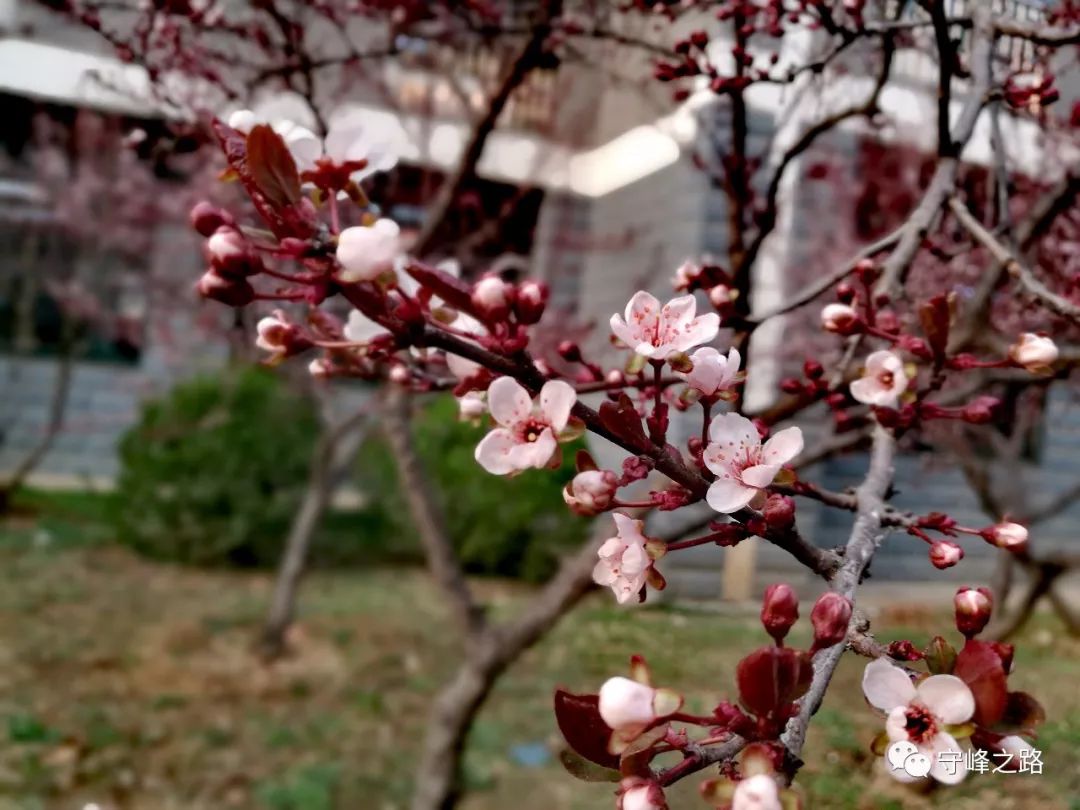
500 525
213 473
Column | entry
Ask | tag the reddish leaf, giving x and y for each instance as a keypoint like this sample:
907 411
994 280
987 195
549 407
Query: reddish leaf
935 316
579 721
284 220
771 678
980 668
452 290
272 166
622 419
1022 713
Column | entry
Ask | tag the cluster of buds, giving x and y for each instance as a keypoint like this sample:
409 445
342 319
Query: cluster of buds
232 258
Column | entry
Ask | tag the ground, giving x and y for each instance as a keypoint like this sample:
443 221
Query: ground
133 685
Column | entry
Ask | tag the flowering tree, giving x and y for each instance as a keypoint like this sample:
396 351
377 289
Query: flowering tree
925 324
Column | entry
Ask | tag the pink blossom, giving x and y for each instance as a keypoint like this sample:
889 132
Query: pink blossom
1034 352
527 434
742 464
713 373
591 491
686 275
351 138
883 380
624 561
839 318
920 714
272 334
365 252
655 332
758 792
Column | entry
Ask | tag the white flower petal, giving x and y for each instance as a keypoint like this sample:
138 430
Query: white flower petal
508 402
556 400
727 495
886 686
947 697
783 446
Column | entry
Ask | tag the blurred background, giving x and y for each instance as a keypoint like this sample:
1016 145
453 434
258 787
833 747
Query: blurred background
159 647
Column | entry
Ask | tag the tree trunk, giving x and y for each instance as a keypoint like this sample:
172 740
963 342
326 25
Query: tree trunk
438 782
335 450
57 410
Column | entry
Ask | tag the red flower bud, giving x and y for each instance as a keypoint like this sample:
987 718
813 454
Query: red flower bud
973 607
830 616
206 218
530 301
779 610
789 385
980 410
845 293
779 512
569 351
813 369
235 292
1006 535
491 298
944 554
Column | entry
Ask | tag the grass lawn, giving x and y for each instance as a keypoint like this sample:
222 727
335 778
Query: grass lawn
132 685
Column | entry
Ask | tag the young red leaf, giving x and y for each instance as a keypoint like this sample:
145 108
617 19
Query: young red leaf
284 219
622 419
771 678
451 289
935 316
272 166
979 666
579 721
1022 713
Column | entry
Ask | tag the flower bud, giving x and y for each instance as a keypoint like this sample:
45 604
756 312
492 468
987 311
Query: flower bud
779 610
471 406
972 607
591 492
230 253
779 512
279 337
206 218
944 554
530 301
399 374
758 792
839 318
721 295
569 351
1034 352
845 293
320 368
1006 535
813 369
789 385
626 704
491 298
636 793
867 270
687 275
830 616
980 410
235 292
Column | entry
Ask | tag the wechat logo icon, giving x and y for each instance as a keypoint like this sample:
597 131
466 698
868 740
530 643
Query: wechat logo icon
904 756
